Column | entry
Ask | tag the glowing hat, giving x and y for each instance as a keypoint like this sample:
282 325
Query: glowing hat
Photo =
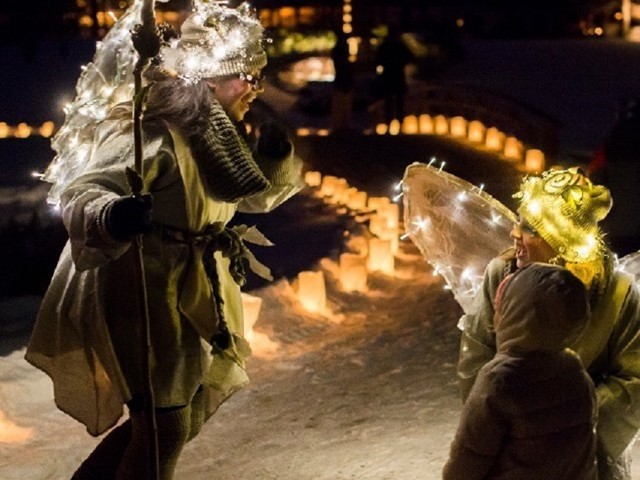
217 41
564 207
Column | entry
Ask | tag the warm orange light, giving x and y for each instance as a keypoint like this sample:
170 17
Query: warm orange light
353 272
22 131
458 126
357 200
476 131
328 185
441 125
426 124
12 433
4 130
394 127
377 223
46 130
513 149
374 203
312 291
410 125
251 310
534 161
381 128
380 256
313 179
494 139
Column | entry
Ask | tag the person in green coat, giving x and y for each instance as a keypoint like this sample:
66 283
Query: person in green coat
199 169
559 215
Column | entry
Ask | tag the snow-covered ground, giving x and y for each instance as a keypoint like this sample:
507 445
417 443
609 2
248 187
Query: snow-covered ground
364 391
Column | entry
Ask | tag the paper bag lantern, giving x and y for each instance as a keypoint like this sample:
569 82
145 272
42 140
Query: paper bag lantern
477 131
311 291
534 161
353 272
410 125
380 256
458 126
313 179
426 124
251 310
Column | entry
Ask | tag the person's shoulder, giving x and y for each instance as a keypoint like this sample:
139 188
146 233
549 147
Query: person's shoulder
502 264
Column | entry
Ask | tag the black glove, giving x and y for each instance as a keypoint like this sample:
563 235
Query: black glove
273 141
129 216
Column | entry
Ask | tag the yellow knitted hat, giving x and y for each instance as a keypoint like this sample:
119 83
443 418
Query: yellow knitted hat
564 207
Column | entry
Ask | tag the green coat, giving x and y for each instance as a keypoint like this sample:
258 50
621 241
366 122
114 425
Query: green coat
87 334
609 349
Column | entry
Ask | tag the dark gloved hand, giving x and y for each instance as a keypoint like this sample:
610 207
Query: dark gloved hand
273 141
129 216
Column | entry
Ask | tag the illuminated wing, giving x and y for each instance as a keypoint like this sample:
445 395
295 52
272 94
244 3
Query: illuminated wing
104 82
631 264
457 226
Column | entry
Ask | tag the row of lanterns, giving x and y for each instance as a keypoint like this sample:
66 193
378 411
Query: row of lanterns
373 253
23 130
474 131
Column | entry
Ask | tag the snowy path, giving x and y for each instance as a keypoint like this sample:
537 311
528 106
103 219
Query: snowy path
367 391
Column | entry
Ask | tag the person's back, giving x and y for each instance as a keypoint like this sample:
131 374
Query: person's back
531 413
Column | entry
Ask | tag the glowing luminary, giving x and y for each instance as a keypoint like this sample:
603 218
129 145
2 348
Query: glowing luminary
313 179
378 223
394 127
458 127
425 123
381 128
311 291
410 125
374 203
477 131
391 212
5 130
328 185
357 200
353 272
339 193
393 236
494 139
534 161
303 132
380 256
513 149
251 309
23 131
358 244
47 129
441 126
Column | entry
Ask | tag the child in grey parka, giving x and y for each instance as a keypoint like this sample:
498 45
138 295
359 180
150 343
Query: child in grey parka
531 412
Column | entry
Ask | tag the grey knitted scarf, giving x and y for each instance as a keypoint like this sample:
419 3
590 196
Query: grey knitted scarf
225 159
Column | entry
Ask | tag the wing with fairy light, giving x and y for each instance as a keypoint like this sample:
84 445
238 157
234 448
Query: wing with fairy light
457 226
103 83
631 264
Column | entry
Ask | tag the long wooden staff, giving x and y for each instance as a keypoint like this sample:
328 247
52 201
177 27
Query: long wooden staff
147 43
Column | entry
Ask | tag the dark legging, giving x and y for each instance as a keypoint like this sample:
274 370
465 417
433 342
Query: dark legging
122 454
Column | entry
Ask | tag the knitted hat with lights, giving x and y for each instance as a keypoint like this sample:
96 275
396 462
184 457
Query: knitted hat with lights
564 207
217 41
